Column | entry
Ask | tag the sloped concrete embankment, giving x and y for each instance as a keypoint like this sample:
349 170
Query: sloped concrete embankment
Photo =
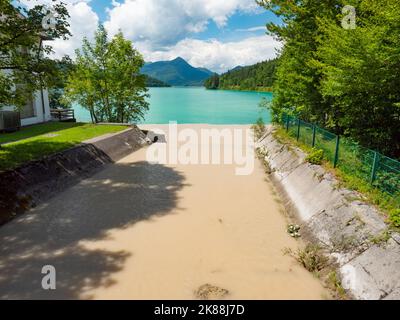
37 181
351 231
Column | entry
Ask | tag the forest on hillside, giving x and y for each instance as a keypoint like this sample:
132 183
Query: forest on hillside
258 77
153 82
340 67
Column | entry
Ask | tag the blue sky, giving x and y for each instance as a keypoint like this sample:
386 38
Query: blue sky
216 34
235 30
240 25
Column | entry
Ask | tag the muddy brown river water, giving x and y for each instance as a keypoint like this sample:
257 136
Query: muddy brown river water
147 231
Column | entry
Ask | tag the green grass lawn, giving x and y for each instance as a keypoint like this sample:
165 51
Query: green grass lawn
33 143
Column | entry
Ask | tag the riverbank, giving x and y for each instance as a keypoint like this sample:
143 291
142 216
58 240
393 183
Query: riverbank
138 230
360 246
43 176
41 140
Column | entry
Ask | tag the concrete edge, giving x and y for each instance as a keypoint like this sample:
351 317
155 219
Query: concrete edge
353 233
37 181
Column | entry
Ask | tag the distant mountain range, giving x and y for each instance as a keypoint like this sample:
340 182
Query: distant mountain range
236 68
176 72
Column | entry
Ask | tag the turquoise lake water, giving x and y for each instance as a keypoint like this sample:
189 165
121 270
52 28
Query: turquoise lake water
198 105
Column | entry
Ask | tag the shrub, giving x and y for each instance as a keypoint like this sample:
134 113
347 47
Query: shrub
394 217
315 157
311 258
259 128
335 284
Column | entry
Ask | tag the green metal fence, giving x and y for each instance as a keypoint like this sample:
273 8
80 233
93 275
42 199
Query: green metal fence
371 166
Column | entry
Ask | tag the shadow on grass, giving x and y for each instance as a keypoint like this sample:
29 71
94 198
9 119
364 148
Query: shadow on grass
36 130
16 154
116 198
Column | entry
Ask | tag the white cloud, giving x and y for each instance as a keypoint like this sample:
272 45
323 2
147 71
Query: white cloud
164 22
83 23
215 55
162 30
260 28
32 3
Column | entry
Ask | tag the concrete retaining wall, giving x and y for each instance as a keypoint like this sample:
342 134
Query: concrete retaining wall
37 181
338 220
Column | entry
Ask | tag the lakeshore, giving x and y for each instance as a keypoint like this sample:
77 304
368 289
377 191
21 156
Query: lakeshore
258 90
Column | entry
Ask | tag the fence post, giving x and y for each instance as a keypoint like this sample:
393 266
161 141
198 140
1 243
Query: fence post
313 135
298 129
336 160
375 167
287 123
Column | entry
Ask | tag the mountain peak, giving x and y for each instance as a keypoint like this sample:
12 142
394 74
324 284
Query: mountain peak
179 59
177 72
236 68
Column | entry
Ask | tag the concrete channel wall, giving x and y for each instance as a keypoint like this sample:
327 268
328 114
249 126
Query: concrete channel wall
352 232
37 181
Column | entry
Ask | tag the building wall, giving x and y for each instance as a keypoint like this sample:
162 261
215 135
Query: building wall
37 105
39 115
38 110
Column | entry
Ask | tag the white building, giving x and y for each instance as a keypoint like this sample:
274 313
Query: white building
36 110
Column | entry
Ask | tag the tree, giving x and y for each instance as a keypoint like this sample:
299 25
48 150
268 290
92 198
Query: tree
345 79
256 77
64 67
212 82
106 79
297 78
23 65
360 69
